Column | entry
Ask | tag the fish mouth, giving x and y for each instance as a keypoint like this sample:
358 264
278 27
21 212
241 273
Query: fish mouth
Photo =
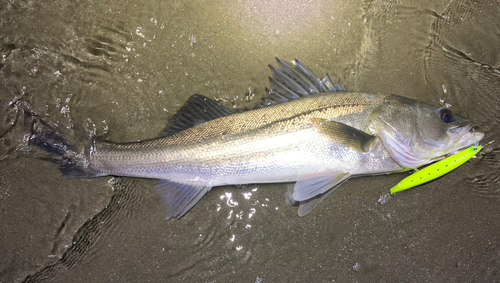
462 135
458 132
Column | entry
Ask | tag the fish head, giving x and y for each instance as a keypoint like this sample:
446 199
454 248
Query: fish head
416 133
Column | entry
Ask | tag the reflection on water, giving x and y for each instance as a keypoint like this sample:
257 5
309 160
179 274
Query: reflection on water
121 70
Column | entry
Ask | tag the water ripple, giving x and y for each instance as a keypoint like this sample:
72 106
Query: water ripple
487 183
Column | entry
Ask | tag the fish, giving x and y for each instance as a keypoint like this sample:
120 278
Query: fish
308 131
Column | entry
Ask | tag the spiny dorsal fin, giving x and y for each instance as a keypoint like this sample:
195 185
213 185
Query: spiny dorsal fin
288 84
198 109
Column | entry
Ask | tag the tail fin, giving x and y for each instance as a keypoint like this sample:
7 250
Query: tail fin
72 161
52 142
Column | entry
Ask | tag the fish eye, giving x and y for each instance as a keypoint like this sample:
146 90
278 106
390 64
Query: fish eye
445 115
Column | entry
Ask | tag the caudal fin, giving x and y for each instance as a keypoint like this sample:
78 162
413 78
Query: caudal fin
72 161
52 142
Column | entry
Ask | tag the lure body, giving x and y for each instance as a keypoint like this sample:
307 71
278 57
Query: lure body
436 170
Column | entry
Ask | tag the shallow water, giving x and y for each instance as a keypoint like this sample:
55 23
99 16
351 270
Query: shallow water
121 69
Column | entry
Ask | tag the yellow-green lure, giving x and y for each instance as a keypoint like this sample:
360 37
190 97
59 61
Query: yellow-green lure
436 170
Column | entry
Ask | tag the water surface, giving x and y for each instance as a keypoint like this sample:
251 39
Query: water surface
120 70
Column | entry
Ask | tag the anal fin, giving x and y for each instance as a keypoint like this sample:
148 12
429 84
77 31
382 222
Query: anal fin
179 198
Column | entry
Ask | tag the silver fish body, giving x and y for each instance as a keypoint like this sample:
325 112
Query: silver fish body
281 143
311 132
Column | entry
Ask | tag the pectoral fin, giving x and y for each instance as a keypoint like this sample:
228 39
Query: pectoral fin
311 191
345 135
179 198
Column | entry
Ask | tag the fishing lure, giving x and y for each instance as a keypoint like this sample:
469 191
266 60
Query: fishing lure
436 170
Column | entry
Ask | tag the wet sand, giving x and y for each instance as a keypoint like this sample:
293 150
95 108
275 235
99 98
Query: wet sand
121 70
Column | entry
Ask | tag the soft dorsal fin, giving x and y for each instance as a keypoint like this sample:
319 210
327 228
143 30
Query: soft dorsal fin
198 109
289 83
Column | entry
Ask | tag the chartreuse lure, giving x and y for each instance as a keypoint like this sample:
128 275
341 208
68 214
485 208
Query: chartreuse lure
436 170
